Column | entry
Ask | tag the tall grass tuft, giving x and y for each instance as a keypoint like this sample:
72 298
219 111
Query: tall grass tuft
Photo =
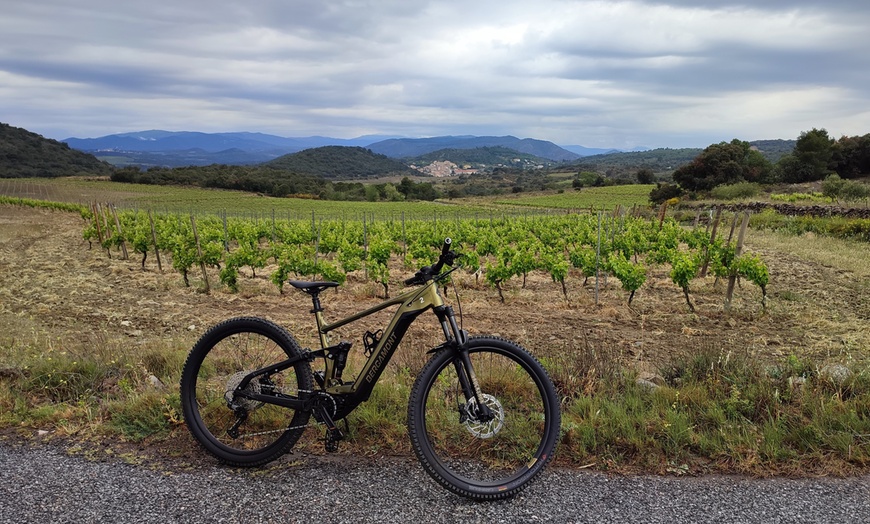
723 405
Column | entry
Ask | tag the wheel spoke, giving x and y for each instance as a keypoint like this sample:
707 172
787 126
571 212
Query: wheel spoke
237 429
480 446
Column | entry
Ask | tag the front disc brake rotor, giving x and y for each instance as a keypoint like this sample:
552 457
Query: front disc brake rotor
484 429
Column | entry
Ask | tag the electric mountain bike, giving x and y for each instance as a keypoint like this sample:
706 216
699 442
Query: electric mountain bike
483 415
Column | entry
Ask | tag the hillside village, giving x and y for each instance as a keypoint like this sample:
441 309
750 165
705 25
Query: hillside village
445 168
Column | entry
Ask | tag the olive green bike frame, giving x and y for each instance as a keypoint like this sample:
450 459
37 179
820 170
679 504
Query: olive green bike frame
411 304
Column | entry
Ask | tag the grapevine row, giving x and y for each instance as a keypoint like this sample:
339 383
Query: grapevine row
499 249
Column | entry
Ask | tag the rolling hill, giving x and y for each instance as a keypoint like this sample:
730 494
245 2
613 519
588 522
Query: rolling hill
340 162
416 147
27 154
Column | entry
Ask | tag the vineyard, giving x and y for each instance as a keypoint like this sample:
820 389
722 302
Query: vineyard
87 334
498 250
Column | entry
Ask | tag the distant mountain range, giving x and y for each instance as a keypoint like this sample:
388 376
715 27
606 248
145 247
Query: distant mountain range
155 140
169 148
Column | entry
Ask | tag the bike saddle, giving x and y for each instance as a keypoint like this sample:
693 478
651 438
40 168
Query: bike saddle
312 288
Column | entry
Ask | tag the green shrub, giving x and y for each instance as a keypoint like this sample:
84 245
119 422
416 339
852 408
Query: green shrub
736 191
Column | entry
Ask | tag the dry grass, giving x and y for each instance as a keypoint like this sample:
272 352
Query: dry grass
841 255
56 295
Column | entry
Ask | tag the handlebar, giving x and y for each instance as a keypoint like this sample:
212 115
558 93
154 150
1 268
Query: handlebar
426 273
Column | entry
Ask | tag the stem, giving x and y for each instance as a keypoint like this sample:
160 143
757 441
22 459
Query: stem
689 302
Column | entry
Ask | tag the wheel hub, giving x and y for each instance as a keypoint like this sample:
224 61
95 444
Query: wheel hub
236 402
484 427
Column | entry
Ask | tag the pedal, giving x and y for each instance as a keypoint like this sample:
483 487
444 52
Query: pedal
333 434
332 437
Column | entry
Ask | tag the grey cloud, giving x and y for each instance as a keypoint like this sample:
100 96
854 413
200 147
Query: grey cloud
851 6
579 71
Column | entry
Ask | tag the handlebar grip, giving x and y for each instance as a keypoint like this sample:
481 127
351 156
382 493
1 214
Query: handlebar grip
446 247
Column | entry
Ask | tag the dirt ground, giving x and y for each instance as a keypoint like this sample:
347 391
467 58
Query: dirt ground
57 293
56 290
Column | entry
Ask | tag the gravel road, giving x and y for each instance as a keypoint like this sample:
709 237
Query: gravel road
43 484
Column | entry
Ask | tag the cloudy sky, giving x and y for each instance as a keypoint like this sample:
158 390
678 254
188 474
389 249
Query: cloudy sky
595 73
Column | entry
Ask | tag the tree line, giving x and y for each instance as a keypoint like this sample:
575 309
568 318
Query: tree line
816 156
276 182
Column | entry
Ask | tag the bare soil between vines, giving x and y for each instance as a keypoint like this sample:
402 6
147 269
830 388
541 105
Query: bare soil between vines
58 292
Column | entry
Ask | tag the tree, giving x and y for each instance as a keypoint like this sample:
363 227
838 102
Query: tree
816 149
851 156
811 159
723 163
664 192
646 176
591 179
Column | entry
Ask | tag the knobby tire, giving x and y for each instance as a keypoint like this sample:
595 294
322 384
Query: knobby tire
216 364
485 460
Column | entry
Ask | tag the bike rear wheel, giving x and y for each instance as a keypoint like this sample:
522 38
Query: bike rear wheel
241 431
492 453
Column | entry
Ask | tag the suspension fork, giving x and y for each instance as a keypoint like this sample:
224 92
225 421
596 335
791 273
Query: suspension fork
457 341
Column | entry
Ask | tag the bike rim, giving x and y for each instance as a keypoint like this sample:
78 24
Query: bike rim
226 363
495 452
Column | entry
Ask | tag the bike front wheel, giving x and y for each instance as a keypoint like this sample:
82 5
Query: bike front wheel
492 452
238 430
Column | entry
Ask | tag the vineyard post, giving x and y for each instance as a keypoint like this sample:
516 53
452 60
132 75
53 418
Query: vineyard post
226 233
365 249
105 215
105 224
317 247
612 222
199 254
154 240
733 278
96 208
733 226
273 225
662 212
597 259
712 239
120 233
404 238
730 236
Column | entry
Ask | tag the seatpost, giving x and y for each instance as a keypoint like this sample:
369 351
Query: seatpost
315 300
317 311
